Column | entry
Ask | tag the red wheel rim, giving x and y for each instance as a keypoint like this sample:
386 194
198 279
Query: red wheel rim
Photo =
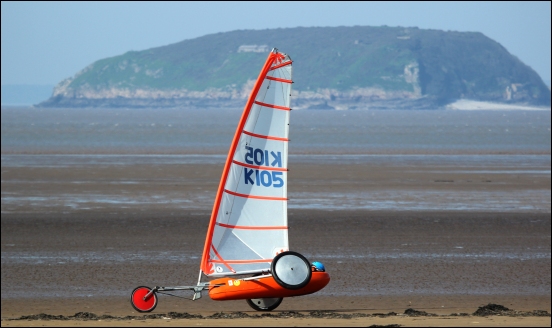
140 303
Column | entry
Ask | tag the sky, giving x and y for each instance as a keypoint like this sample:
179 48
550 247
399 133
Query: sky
46 42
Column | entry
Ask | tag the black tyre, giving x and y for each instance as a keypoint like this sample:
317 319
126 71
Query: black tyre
264 304
291 270
140 303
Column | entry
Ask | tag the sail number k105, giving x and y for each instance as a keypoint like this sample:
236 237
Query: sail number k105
263 177
260 157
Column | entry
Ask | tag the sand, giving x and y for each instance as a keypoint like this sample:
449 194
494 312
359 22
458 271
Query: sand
380 261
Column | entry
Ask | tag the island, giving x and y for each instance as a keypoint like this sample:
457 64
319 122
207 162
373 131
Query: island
342 68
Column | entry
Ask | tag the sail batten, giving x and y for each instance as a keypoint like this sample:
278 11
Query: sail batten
279 79
253 196
248 224
252 227
272 105
264 137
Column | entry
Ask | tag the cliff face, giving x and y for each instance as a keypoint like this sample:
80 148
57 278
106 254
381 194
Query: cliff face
341 68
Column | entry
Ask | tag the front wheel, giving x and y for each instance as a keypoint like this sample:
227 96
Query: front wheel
140 302
264 304
291 270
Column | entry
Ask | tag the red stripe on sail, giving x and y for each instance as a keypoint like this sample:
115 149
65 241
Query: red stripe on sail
252 227
264 137
272 106
278 79
281 65
253 196
221 260
268 168
272 57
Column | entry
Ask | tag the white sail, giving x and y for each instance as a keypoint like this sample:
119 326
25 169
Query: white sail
249 221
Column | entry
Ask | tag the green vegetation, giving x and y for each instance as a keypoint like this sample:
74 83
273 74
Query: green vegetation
451 65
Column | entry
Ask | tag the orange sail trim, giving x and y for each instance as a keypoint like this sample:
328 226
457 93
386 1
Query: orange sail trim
272 57
272 106
268 168
264 137
278 79
252 227
253 196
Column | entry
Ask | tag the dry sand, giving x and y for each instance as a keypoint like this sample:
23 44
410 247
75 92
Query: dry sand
440 262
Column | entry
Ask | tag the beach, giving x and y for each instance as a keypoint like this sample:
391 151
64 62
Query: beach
61 256
421 218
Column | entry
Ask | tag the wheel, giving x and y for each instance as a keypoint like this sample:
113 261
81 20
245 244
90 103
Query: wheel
264 304
291 270
139 303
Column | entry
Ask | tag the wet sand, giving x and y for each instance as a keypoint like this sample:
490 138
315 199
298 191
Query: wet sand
62 260
123 184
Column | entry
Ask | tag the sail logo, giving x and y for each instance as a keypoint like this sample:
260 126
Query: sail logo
260 157
263 177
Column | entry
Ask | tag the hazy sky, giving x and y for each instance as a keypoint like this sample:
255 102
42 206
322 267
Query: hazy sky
46 42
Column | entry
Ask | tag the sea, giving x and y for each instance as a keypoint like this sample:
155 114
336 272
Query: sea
505 142
209 131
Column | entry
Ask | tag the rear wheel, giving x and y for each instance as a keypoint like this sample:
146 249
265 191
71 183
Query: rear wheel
139 301
291 270
264 304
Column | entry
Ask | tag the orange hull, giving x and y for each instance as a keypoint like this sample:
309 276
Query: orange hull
236 289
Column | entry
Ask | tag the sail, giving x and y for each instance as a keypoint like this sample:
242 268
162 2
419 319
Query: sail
248 224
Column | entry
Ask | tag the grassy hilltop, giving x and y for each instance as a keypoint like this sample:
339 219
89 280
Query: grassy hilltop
339 67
